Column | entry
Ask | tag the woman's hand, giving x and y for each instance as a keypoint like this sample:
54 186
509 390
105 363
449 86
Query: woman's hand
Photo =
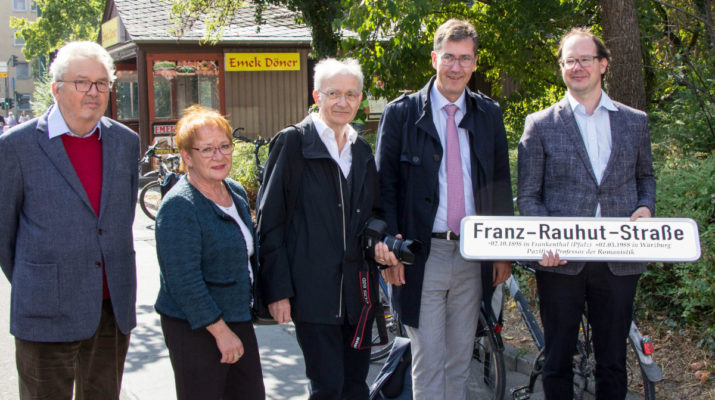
395 273
228 343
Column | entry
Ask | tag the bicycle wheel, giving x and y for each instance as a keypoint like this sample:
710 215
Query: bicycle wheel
638 382
487 376
150 198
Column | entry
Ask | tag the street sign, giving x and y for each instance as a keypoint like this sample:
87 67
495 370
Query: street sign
3 67
580 239
3 74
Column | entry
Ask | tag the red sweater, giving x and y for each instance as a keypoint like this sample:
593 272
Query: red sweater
86 156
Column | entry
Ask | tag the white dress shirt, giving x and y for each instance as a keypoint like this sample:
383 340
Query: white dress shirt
596 133
439 117
327 135
57 126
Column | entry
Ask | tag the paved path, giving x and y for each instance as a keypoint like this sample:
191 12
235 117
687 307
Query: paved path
148 374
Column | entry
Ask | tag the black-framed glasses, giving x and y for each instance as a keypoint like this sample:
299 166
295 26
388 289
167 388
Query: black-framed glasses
583 61
84 86
208 152
351 96
464 61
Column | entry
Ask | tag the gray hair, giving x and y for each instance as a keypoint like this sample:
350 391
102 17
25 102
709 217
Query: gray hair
330 67
77 50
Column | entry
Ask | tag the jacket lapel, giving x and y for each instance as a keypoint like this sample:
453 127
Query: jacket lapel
110 145
618 125
568 121
425 121
482 150
56 153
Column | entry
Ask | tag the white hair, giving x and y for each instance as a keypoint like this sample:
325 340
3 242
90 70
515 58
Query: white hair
330 67
77 50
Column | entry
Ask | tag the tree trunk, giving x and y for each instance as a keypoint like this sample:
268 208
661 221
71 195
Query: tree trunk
624 77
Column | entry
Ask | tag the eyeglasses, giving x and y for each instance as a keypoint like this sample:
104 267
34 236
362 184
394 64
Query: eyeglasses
350 96
583 61
84 86
208 152
464 61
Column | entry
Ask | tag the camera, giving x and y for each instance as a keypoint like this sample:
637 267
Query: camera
375 232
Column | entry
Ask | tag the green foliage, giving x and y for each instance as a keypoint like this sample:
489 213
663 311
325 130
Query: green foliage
61 21
215 14
686 291
42 97
244 168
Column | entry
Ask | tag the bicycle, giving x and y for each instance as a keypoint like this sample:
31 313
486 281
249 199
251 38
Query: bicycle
584 362
151 194
487 378
257 144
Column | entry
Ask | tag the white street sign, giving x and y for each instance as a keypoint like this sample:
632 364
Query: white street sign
577 238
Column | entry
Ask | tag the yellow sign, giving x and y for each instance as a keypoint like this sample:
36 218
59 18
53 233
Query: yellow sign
262 61
110 32
3 74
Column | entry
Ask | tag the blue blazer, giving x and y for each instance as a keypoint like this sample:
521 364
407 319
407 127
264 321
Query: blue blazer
203 257
52 242
556 177
408 158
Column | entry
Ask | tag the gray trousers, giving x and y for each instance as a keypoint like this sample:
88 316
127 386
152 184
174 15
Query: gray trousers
449 310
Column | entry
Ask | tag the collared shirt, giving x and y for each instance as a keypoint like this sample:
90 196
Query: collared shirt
439 117
57 126
327 135
595 131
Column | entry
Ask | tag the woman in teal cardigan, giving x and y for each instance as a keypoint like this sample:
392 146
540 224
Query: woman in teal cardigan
206 243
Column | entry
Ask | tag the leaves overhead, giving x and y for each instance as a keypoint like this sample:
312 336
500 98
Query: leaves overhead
60 21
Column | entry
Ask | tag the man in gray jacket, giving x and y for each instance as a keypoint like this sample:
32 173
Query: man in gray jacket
69 189
586 156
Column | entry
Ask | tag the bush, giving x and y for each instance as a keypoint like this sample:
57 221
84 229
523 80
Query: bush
686 291
244 169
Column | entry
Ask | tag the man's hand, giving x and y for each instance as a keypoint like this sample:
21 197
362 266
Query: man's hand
551 259
395 273
228 343
280 311
501 272
641 212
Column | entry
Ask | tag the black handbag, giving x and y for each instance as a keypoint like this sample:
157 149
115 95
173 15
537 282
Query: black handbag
259 309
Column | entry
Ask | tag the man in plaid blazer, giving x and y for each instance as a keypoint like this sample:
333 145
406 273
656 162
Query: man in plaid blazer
586 156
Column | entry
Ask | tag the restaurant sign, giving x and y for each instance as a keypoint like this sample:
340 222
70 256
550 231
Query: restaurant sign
262 61
580 239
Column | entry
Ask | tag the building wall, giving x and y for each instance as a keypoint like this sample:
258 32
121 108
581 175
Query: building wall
20 78
265 102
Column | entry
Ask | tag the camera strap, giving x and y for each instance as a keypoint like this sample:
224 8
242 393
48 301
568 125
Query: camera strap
363 334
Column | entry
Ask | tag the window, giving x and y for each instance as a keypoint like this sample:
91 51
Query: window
23 102
19 5
179 84
127 95
18 40
33 6
22 70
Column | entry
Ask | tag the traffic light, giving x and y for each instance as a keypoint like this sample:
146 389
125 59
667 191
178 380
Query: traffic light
8 103
13 60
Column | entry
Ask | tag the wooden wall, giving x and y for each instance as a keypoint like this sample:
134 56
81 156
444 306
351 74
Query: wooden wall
264 102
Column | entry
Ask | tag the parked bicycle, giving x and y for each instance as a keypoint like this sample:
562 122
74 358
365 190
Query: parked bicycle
487 378
641 365
151 194
257 144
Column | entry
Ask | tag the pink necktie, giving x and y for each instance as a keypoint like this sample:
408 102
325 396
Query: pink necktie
455 184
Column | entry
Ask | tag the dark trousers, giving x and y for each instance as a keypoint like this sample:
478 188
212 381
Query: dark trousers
610 310
198 373
335 370
93 367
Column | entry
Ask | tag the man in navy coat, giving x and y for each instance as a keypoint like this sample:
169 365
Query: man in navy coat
586 156
68 194
442 155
